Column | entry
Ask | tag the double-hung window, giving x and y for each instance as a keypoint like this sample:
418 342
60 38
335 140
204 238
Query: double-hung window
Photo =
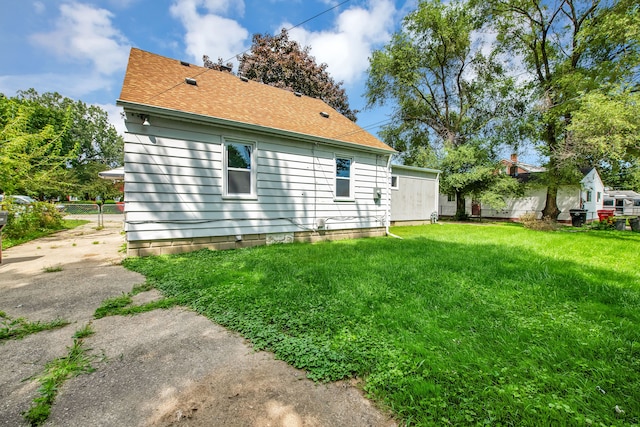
239 165
344 166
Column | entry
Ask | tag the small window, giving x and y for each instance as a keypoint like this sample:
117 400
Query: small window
343 178
239 169
636 202
598 197
608 202
589 197
394 182
451 197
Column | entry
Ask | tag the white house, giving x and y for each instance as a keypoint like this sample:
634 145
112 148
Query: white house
588 195
414 194
218 161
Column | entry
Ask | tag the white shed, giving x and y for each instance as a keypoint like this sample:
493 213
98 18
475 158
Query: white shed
414 194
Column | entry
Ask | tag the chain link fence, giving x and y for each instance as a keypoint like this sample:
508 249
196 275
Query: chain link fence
94 212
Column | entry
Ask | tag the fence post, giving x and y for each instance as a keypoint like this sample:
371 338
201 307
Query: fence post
100 218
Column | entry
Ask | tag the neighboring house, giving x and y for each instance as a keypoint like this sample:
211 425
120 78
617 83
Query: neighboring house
414 194
218 161
589 195
625 202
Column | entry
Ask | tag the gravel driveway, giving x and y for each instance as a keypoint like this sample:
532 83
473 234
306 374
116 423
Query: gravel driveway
160 368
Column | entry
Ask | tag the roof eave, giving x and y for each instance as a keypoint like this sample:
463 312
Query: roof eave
200 118
416 168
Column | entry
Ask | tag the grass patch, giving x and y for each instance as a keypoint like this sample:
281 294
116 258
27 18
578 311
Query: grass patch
52 269
455 324
67 224
56 372
19 328
121 306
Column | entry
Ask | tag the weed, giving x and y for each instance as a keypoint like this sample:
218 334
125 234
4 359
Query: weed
121 306
111 305
123 248
56 372
530 220
52 269
98 228
74 244
143 287
84 332
21 327
95 242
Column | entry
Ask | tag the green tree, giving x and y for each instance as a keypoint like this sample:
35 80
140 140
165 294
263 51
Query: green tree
605 129
29 158
283 63
449 97
54 146
570 49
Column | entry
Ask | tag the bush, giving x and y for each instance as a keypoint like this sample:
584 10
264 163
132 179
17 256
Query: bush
25 219
530 220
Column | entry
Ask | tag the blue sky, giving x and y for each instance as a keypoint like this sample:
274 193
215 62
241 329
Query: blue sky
80 48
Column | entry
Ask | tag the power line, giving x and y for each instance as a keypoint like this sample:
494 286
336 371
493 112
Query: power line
235 56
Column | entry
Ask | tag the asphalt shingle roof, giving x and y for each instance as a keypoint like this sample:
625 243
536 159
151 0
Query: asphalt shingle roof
158 81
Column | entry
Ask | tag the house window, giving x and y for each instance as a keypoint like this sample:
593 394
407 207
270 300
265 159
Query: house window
451 197
343 177
608 202
598 196
589 195
394 182
239 168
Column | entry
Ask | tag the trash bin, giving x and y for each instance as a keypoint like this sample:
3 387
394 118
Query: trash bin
578 217
621 224
603 214
634 223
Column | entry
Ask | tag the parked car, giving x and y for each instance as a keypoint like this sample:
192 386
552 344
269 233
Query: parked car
26 200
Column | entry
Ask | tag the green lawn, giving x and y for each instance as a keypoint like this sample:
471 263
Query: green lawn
455 324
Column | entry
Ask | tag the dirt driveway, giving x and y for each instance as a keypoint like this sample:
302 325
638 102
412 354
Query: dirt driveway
164 367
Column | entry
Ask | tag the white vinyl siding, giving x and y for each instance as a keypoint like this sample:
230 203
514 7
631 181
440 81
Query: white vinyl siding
175 186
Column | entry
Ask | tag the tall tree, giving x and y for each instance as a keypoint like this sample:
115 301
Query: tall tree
277 61
448 96
30 158
54 145
570 49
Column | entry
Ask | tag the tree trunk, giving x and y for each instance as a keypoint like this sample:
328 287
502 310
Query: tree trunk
551 207
461 211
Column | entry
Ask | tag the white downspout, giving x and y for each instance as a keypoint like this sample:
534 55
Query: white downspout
387 221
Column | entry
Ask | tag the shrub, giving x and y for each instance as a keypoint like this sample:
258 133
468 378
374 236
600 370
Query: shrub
25 219
530 220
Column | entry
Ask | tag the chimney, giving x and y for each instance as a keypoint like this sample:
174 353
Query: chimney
513 170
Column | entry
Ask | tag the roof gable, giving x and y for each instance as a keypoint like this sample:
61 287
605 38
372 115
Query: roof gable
156 81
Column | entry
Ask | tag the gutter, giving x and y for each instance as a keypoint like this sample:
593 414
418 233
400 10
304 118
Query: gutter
388 220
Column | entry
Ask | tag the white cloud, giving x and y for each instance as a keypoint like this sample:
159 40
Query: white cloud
347 46
85 33
113 111
209 33
39 7
72 85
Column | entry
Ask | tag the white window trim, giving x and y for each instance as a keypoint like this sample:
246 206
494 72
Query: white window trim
352 174
253 171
